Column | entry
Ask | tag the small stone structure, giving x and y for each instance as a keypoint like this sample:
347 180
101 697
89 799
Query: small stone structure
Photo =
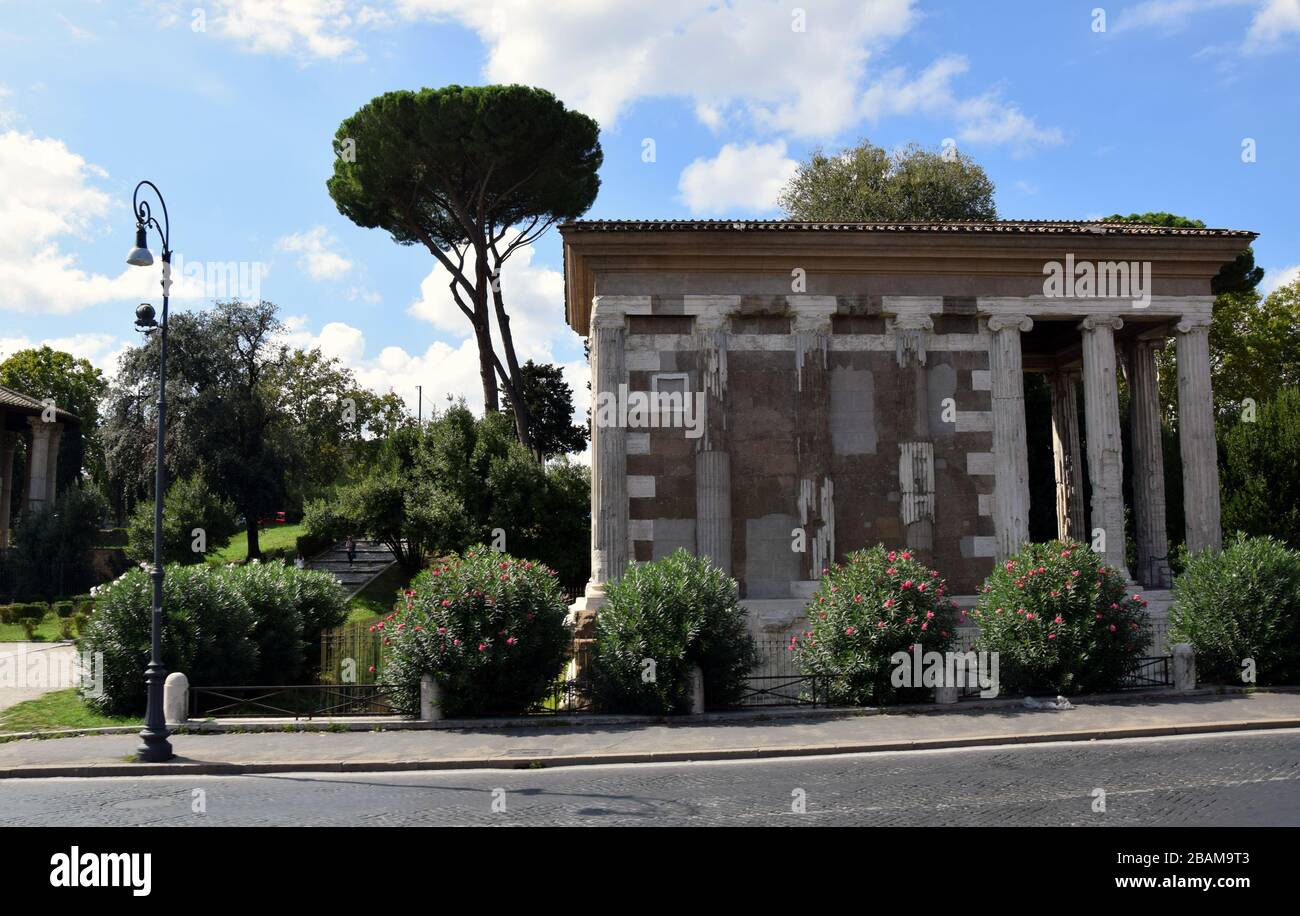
40 427
774 395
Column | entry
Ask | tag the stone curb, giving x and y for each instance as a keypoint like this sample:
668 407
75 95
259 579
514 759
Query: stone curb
198 768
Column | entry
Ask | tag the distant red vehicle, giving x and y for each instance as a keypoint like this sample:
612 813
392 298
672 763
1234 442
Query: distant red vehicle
279 518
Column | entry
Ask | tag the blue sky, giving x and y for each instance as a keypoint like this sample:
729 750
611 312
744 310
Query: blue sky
230 107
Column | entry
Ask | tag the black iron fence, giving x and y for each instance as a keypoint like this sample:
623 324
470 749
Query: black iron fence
777 680
301 701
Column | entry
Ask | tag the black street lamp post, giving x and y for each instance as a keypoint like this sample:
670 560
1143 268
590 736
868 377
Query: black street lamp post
154 746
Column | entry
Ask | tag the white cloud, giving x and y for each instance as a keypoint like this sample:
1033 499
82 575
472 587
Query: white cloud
1276 20
740 178
982 119
48 193
304 28
600 56
318 260
1167 15
1276 277
102 350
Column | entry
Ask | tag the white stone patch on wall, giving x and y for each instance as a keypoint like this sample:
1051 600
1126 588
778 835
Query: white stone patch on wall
638 443
641 529
644 360
979 463
981 380
974 421
852 415
770 564
672 533
985 503
886 343
640 486
979 546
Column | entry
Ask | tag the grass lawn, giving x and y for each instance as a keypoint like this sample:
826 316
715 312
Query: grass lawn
376 599
272 539
60 709
46 631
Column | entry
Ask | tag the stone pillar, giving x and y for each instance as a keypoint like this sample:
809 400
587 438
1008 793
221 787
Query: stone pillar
1066 455
713 507
1010 451
38 462
1148 466
812 447
911 326
52 466
1196 436
8 443
1105 458
712 461
609 510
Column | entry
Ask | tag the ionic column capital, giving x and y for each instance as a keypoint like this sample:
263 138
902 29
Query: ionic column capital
1020 323
40 428
812 314
1193 324
1097 322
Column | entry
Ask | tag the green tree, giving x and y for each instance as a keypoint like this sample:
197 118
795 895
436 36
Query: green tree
1237 276
866 184
550 405
51 551
1260 468
189 504
75 386
267 425
472 173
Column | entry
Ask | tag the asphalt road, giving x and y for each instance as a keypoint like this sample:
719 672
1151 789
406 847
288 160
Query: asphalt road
1218 780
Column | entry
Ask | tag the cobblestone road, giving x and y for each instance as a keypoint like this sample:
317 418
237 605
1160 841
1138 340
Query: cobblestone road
1231 779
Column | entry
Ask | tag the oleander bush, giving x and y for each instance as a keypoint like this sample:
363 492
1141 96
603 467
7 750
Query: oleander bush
1243 603
878 602
492 630
222 626
658 622
1061 620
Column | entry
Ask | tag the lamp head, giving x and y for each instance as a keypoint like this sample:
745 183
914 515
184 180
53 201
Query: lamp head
144 317
140 256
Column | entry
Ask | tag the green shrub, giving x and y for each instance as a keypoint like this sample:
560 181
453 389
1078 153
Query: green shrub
66 628
79 622
83 604
679 612
8 613
491 628
30 615
1261 470
876 603
63 608
207 628
1238 604
1061 621
221 626
189 504
277 621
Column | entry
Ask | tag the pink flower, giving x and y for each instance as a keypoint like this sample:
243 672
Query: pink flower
889 602
849 631
511 641
929 615
921 587
1059 619
372 669
880 625
1112 628
934 574
1029 616
482 646
907 584
446 602
925 626
1051 635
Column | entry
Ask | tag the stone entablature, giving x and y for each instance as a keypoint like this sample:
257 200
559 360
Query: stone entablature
881 412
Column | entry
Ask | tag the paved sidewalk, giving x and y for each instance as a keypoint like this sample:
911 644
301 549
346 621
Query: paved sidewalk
33 669
372 559
748 737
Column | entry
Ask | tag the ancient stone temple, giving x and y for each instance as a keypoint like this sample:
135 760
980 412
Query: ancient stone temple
775 395
40 426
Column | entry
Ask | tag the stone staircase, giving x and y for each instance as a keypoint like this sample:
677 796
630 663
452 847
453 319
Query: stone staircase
372 559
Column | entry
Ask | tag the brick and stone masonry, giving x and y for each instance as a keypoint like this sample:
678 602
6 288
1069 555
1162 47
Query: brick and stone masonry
864 384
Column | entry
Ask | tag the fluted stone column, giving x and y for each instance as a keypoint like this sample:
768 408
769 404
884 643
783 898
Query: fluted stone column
1067 455
712 461
38 462
1010 451
1105 456
1196 437
811 326
713 507
609 510
52 464
1148 467
8 443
